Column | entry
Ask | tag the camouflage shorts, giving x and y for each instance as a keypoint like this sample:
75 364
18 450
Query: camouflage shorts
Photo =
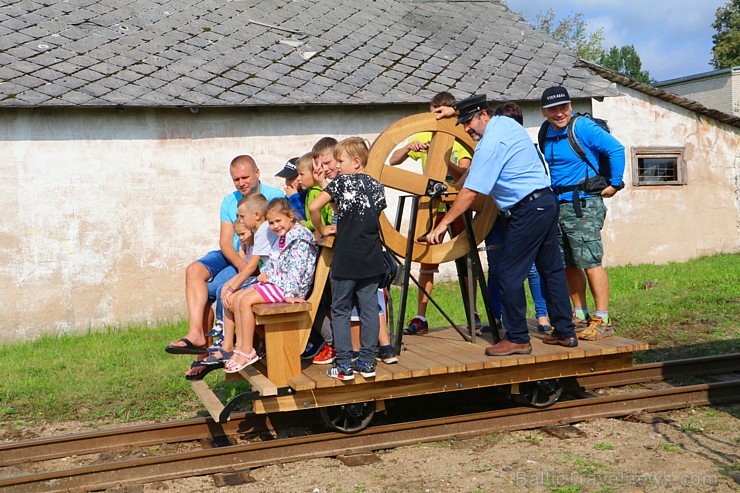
580 237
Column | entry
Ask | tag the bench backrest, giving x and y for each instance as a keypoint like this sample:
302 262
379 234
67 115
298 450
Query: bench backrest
320 278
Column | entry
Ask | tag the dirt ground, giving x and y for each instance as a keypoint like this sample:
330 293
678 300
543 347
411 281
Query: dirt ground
692 450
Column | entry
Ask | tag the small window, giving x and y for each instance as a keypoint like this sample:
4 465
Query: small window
658 166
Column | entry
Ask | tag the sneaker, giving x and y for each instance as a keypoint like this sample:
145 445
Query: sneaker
262 351
325 356
544 328
367 370
217 330
478 323
416 326
580 324
341 372
355 357
597 329
216 346
312 350
387 356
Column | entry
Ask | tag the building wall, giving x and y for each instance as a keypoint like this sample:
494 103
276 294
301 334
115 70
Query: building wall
103 209
719 91
658 224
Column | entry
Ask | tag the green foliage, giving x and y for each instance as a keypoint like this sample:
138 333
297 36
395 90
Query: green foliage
572 32
627 61
726 47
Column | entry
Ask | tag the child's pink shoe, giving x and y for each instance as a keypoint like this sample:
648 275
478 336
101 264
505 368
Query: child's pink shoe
233 367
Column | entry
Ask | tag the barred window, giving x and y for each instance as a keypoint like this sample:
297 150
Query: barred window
658 166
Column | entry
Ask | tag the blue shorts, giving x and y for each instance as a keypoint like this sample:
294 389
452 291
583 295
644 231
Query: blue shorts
220 269
215 262
355 316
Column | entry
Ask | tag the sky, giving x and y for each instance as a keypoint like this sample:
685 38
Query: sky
672 37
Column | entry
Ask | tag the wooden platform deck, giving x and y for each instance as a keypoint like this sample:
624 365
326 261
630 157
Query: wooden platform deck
441 361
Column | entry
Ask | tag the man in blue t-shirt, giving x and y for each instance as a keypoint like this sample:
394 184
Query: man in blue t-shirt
205 276
506 167
582 213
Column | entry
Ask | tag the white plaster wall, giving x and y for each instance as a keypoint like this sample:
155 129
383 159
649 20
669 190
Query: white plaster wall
102 210
659 224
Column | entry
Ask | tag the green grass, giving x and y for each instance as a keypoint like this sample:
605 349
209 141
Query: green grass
123 374
681 309
118 374
603 446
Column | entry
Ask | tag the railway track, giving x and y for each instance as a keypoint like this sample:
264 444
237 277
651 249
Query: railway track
223 455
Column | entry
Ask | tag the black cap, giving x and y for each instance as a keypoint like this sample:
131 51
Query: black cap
289 170
468 107
553 96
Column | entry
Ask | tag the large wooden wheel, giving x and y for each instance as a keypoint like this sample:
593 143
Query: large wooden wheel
445 134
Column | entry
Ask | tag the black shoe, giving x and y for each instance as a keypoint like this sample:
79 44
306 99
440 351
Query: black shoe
552 338
387 356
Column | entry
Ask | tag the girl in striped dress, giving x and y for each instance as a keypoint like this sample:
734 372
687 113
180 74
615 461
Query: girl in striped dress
287 277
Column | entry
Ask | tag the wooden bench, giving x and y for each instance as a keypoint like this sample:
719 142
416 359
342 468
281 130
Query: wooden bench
288 325
287 329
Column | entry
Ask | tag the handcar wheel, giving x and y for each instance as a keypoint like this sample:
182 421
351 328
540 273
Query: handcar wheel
348 418
445 133
542 393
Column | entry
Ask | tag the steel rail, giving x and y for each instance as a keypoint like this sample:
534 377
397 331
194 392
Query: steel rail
39 449
240 457
205 428
666 370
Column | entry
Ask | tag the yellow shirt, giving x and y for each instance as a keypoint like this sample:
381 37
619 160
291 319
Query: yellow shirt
458 151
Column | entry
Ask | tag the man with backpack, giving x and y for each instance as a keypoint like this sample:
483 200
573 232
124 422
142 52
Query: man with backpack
586 166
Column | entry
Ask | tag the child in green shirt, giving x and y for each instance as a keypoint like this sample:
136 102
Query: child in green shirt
308 181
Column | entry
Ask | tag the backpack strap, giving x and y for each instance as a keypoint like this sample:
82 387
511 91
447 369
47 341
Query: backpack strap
575 145
541 134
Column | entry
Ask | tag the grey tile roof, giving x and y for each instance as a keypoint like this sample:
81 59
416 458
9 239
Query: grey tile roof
212 53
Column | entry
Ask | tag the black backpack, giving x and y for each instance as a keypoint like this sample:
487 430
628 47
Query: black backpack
604 169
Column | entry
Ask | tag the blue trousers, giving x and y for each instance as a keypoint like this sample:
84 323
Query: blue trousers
494 247
362 293
532 238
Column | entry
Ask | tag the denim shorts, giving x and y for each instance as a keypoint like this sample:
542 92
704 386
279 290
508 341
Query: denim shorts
215 262
355 316
220 269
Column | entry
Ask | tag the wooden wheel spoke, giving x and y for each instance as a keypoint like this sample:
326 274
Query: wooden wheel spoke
445 134
438 155
403 180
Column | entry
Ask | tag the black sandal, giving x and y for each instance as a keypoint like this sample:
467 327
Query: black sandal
206 369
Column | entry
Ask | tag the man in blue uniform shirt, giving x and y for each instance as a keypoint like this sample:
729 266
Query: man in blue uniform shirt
506 166
581 213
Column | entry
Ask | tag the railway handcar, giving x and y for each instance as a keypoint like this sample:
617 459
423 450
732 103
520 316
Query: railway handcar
445 359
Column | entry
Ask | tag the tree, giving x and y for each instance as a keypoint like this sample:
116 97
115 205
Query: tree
726 48
627 61
572 33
